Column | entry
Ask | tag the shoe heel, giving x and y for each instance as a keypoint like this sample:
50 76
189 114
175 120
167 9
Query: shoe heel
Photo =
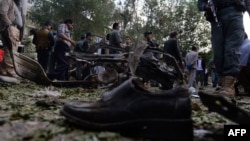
172 130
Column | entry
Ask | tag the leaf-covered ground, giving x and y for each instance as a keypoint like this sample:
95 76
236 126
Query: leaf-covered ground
29 112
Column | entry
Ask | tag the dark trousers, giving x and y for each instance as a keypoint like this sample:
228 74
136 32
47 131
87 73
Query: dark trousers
62 63
82 70
206 79
43 56
226 41
200 77
215 78
52 63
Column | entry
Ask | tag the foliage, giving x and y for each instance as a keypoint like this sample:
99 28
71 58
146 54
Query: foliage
159 16
88 15
164 17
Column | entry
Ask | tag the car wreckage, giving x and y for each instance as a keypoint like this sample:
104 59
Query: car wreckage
30 69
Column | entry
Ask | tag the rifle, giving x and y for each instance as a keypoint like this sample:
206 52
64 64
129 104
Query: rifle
213 10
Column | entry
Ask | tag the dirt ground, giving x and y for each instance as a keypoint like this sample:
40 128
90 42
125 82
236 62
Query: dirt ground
29 112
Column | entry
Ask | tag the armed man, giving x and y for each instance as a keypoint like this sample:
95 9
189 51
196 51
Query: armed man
44 40
226 18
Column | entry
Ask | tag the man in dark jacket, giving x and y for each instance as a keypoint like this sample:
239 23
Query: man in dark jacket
44 40
83 69
171 47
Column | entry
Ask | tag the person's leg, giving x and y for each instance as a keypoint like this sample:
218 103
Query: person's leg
217 45
205 79
197 77
202 78
40 58
10 42
46 60
234 35
86 70
192 78
43 58
214 78
62 64
78 70
51 66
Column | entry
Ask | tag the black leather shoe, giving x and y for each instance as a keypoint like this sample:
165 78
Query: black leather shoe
130 108
219 104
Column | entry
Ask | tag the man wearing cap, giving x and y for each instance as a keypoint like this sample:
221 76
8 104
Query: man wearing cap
171 47
149 55
115 38
79 44
83 69
148 38
44 40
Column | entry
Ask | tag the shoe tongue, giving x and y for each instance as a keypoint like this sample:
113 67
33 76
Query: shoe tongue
119 91
126 89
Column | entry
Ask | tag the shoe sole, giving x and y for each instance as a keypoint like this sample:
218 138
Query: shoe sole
221 105
176 130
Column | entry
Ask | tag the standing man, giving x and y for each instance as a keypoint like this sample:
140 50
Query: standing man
191 61
148 37
79 44
62 46
115 38
83 68
146 54
171 47
200 71
44 40
149 56
10 24
227 36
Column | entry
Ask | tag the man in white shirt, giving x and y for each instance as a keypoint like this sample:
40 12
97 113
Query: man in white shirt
191 63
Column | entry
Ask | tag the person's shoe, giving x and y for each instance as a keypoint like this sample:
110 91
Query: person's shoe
227 88
8 79
219 104
131 109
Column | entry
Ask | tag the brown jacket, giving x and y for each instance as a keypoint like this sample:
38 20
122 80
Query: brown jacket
8 13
